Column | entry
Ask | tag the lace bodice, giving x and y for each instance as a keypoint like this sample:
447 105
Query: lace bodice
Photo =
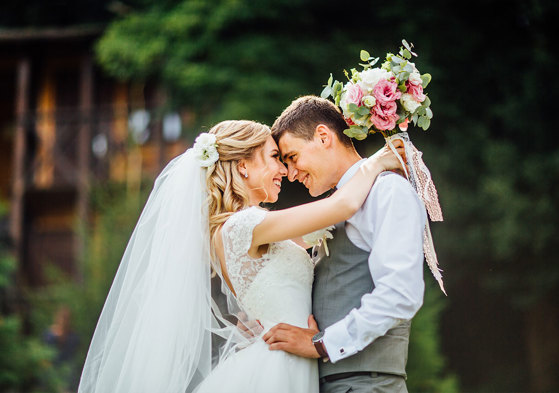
277 286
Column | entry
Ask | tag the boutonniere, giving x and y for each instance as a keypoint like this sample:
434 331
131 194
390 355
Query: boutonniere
319 237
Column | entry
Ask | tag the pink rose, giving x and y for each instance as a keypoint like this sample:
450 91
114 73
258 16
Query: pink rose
384 117
386 91
416 91
404 125
353 94
388 109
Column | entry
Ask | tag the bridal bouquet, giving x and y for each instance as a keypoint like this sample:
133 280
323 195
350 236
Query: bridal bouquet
386 99
382 99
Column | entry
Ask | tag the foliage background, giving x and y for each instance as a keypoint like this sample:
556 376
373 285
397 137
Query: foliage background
491 147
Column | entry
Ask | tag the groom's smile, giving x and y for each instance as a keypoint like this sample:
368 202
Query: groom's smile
307 162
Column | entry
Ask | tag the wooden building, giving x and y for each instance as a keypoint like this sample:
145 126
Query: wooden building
63 127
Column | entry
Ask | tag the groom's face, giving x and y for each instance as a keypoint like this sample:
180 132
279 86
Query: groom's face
307 162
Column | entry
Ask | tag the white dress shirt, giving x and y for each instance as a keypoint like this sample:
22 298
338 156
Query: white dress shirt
390 226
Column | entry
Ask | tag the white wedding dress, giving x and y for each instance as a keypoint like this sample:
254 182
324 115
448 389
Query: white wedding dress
272 289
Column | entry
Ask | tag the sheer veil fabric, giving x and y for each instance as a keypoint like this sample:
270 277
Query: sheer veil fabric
160 329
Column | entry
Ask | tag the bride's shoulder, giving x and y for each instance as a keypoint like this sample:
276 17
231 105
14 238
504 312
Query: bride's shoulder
251 215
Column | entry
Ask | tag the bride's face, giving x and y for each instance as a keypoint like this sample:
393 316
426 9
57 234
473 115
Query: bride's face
265 172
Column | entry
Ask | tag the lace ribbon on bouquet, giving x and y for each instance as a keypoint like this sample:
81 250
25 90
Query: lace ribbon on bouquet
420 178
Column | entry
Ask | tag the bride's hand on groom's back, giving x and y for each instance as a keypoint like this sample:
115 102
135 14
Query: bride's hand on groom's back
293 339
386 157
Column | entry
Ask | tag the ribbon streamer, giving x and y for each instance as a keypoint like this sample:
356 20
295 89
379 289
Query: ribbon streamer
420 178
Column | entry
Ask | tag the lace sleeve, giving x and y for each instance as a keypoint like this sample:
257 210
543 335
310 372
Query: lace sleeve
237 238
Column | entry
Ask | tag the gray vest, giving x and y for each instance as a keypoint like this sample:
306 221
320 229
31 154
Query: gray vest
340 281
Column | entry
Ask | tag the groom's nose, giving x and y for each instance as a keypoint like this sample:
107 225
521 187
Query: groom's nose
291 173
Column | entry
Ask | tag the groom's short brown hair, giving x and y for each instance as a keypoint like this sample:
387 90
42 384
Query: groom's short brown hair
303 116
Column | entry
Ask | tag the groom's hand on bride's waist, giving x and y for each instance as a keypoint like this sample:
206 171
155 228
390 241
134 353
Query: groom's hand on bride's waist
293 339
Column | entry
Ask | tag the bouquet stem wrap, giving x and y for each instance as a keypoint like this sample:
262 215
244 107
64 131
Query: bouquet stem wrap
420 178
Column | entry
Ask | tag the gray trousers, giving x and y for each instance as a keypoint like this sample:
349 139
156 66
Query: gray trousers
382 383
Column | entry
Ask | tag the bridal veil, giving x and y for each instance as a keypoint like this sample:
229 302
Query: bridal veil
160 329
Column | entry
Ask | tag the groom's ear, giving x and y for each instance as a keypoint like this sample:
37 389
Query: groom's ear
324 135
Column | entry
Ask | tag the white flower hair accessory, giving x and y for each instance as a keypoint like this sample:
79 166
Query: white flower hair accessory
319 237
205 149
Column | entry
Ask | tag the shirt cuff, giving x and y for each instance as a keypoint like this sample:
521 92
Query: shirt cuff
338 342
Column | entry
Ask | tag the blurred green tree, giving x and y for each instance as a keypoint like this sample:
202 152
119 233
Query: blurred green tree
25 362
116 211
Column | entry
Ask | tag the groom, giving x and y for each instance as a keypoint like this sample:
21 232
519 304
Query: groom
370 287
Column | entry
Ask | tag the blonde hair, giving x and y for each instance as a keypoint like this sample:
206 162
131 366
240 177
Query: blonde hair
227 193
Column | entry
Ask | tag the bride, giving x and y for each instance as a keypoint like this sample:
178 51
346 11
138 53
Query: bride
160 329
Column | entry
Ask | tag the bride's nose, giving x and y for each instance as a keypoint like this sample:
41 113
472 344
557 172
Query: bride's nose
283 170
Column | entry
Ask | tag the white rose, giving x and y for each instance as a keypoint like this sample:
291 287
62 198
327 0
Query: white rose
206 156
409 103
205 139
344 104
205 149
369 101
415 78
370 78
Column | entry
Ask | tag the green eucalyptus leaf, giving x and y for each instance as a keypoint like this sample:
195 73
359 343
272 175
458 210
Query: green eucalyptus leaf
360 137
364 55
353 108
330 80
425 79
402 117
363 111
426 103
402 87
337 99
428 113
356 132
336 87
326 92
408 47
426 124
406 54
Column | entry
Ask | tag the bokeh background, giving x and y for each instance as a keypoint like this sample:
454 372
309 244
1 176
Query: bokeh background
96 96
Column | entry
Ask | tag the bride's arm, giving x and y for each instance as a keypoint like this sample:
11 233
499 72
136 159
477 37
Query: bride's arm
299 220
299 240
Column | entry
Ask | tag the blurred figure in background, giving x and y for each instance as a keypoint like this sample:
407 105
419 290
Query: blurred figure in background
65 341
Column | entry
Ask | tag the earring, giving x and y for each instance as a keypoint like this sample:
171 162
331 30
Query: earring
246 175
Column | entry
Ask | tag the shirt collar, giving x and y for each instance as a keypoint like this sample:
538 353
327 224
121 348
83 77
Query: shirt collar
350 172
